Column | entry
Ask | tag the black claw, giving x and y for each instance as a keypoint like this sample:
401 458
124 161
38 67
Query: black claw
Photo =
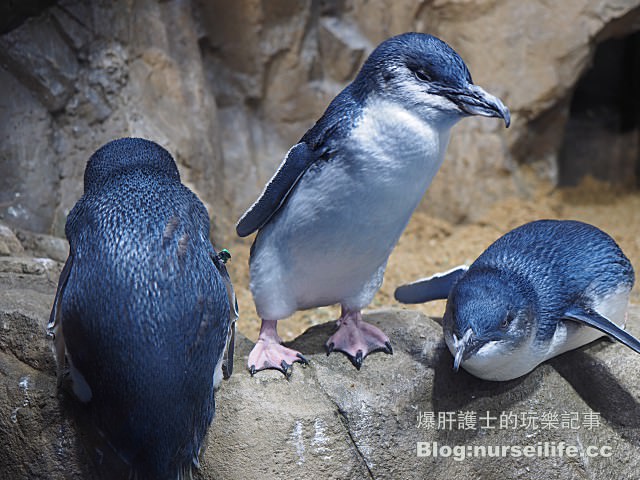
357 361
329 348
389 350
303 360
252 370
285 367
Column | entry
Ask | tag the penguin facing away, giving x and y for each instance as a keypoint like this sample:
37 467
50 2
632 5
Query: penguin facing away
144 311
330 216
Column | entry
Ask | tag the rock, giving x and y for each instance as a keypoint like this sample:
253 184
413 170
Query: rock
262 66
341 48
525 54
329 420
39 57
29 179
82 74
23 329
37 266
41 245
9 243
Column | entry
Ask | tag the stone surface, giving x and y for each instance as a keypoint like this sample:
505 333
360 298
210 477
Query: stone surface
531 54
46 246
9 243
331 421
228 87
29 180
81 74
38 266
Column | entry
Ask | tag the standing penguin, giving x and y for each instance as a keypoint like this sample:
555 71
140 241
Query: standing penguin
144 309
540 290
332 213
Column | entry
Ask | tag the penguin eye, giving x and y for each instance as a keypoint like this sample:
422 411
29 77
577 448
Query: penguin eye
422 75
506 321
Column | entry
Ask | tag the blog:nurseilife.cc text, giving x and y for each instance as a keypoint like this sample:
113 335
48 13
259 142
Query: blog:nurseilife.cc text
539 450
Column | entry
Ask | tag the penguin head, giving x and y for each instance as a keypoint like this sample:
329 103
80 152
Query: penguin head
127 154
424 74
489 324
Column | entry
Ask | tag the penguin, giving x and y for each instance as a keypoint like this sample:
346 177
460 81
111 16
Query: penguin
144 312
543 289
330 216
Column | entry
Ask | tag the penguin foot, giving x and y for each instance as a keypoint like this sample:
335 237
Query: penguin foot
268 352
271 355
357 339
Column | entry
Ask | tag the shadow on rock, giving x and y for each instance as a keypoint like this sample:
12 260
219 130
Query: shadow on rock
312 340
600 389
100 461
460 391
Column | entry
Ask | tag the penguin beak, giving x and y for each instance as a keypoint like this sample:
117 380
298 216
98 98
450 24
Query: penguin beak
460 346
474 100
458 358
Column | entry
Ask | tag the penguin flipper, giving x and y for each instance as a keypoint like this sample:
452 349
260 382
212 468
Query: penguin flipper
591 318
227 360
436 287
275 193
54 327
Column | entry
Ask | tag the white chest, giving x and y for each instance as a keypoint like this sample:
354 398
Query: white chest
396 149
376 178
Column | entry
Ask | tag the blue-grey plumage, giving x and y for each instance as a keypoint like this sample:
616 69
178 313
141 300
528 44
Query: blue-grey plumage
144 309
540 290
329 218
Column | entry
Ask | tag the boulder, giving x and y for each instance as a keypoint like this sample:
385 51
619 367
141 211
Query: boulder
329 420
48 246
9 243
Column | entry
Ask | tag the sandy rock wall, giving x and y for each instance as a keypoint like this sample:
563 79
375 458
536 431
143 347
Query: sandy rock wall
228 87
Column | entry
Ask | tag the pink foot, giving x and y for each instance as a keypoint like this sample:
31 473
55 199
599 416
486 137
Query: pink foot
357 339
269 353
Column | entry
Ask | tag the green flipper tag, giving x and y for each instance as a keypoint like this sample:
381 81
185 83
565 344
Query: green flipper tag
224 255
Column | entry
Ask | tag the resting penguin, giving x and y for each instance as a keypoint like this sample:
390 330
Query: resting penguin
540 290
330 216
144 310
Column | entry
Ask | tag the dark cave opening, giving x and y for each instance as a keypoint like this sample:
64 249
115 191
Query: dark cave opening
602 134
